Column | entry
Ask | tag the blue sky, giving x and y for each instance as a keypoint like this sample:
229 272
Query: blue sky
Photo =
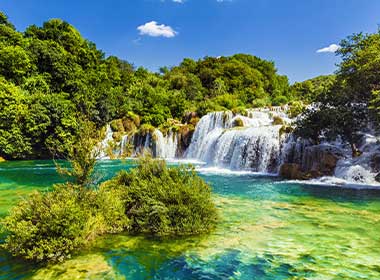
154 33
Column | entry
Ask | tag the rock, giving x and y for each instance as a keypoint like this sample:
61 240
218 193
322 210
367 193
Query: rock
321 158
377 178
188 116
313 162
278 120
129 125
292 171
117 125
285 129
194 121
186 133
374 162
238 122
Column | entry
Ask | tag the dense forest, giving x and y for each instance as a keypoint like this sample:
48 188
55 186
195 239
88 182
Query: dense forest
51 76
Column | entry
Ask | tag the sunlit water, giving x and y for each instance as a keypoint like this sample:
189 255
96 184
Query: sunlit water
269 229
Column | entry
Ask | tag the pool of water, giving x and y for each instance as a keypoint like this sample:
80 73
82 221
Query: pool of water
269 229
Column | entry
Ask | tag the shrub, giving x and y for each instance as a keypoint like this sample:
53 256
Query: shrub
117 125
165 201
296 108
260 102
48 227
279 100
146 129
151 199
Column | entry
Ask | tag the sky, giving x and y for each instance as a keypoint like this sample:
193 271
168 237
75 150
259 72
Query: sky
300 36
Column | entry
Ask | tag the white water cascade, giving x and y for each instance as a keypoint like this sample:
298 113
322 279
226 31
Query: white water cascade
165 146
362 169
102 147
250 142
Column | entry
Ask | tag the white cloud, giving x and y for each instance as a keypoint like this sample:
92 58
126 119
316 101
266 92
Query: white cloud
178 1
156 30
330 49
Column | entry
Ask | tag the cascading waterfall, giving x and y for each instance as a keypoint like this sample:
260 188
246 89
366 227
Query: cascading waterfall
238 142
166 147
252 141
135 144
362 169
105 143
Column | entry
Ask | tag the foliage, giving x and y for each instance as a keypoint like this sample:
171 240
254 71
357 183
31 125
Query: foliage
53 76
310 90
82 154
348 106
151 199
165 201
50 226
296 108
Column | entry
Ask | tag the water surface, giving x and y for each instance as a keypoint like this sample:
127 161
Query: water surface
269 229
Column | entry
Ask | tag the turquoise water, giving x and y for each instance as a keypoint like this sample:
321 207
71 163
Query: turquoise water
269 229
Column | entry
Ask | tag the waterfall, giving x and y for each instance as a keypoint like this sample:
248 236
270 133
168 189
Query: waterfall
254 144
166 146
364 168
123 145
103 146
159 145
253 141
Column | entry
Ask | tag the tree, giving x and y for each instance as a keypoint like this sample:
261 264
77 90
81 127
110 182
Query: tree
82 155
350 103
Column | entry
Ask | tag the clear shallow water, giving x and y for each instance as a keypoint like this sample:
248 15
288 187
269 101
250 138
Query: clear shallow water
269 229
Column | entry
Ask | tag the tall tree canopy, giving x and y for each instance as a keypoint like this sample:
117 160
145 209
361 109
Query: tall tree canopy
352 102
51 76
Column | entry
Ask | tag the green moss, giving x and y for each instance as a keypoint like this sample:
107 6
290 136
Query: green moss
238 122
194 121
278 120
240 110
117 136
135 118
146 129
129 125
111 146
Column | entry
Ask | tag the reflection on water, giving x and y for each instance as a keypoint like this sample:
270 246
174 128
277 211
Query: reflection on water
269 229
